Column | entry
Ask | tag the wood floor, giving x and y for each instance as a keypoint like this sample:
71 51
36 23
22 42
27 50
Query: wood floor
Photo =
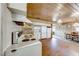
57 47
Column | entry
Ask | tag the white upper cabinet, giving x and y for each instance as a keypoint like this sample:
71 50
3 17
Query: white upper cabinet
19 12
18 6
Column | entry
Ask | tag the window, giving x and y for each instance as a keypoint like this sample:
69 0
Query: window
76 26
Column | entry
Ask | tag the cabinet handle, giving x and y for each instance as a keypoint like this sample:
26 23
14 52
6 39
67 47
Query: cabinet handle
14 50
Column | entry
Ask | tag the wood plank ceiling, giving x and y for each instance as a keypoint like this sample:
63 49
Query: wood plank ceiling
53 12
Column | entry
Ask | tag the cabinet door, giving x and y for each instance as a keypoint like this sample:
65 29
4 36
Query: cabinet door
18 6
34 49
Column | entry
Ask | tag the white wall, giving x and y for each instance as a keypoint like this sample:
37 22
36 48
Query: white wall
6 27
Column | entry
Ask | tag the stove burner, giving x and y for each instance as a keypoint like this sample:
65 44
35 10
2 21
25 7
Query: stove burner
24 40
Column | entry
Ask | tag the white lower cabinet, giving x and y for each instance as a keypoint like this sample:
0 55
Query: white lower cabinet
34 49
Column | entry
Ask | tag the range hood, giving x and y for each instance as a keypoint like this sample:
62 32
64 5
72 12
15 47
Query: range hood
20 18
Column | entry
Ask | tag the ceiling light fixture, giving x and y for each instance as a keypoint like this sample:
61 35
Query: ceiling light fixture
59 21
76 24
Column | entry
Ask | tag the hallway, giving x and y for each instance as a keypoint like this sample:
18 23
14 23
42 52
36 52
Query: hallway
58 47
